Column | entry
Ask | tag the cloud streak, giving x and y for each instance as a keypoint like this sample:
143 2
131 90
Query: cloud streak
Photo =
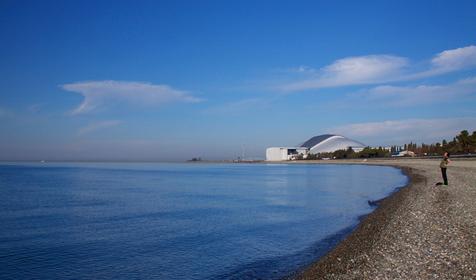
101 94
378 69
417 95
456 59
404 131
352 71
92 127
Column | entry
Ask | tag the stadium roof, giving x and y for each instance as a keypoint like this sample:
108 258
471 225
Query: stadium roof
330 143
316 140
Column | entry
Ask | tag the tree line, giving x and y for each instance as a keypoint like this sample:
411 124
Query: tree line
463 143
367 152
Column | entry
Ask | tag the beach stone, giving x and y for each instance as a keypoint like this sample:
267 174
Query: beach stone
422 231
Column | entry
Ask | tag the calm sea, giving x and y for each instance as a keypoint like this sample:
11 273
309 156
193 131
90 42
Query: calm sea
178 221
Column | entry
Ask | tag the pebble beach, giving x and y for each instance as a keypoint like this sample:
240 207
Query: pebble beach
421 231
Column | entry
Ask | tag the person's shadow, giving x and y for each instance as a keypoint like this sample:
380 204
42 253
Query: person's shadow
439 184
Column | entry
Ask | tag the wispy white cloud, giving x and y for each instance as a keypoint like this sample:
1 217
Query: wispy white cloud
417 95
352 71
448 61
404 131
98 126
378 69
455 59
100 94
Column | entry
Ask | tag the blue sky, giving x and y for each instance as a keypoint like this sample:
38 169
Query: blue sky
172 80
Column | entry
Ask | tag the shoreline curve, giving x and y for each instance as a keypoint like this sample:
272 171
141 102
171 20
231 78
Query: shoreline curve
418 231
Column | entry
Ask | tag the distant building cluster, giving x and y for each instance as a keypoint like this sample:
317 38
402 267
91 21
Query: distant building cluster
326 143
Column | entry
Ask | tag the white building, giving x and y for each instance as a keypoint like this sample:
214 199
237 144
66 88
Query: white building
285 153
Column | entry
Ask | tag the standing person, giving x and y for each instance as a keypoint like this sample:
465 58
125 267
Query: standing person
443 165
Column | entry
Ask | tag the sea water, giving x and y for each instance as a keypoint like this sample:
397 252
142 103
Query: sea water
178 221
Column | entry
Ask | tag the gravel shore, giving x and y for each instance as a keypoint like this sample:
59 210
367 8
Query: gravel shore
422 231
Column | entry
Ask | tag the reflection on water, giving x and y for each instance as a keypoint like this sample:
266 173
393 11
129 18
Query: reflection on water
178 221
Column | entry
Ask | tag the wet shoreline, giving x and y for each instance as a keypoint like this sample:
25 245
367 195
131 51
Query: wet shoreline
407 235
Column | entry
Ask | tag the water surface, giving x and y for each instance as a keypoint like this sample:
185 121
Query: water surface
178 221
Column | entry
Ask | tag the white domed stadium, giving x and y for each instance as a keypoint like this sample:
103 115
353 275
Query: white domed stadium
328 143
